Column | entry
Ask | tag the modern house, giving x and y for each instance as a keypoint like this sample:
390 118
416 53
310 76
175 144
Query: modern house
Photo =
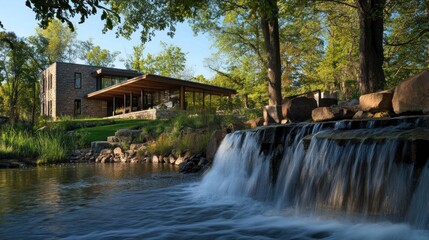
69 89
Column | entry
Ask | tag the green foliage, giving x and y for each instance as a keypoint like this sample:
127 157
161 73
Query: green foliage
45 146
18 76
406 48
171 61
191 143
95 55
51 48
163 145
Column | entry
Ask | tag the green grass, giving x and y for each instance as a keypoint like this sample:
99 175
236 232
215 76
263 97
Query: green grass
100 133
49 146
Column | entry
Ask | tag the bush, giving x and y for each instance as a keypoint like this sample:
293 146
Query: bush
163 145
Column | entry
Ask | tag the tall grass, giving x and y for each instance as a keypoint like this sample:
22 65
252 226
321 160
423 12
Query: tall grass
43 146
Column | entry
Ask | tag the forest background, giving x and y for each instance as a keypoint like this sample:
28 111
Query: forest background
321 45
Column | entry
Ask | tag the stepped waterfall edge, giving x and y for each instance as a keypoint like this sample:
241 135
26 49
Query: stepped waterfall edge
376 170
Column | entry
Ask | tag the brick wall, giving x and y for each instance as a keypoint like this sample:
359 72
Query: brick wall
66 93
63 93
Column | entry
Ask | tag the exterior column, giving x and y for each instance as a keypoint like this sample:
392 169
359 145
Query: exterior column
141 99
193 98
131 101
125 103
210 101
204 102
182 98
114 105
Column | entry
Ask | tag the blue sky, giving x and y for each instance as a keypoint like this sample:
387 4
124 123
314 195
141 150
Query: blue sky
18 18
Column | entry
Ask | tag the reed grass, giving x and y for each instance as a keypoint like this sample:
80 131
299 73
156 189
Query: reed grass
43 146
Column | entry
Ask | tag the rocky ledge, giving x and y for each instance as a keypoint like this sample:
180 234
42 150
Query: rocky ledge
116 150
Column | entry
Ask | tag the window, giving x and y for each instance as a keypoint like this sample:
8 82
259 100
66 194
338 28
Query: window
43 80
50 108
77 107
107 81
78 80
50 81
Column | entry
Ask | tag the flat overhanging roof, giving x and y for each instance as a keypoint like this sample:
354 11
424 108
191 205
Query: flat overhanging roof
155 83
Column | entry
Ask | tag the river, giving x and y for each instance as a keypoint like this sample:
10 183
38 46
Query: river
146 201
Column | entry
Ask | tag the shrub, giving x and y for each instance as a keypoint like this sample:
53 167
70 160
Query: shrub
163 145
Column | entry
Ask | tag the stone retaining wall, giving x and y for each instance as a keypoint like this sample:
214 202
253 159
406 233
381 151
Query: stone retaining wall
151 114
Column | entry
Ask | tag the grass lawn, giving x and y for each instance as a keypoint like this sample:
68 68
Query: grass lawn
100 133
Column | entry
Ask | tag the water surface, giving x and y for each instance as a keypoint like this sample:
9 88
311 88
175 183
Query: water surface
145 201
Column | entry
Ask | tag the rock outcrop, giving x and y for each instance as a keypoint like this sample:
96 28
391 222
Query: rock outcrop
412 95
298 109
332 113
376 102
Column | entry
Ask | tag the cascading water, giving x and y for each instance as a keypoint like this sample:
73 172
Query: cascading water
329 168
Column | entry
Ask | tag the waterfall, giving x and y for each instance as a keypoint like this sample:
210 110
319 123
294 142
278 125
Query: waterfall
354 169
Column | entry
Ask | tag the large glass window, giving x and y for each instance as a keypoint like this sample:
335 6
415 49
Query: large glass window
78 80
77 107
107 81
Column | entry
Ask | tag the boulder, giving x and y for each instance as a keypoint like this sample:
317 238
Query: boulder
381 115
362 115
105 152
214 143
255 122
118 151
137 146
327 102
171 159
331 113
376 102
112 139
272 114
412 95
97 146
203 161
127 135
179 161
298 109
130 153
155 159
189 167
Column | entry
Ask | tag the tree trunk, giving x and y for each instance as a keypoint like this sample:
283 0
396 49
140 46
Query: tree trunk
270 30
371 45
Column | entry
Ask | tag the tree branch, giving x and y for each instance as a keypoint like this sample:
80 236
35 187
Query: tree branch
245 41
225 75
423 32
338 2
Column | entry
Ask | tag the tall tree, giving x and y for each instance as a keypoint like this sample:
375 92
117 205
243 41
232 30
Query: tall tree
371 22
56 43
94 55
339 69
171 61
15 74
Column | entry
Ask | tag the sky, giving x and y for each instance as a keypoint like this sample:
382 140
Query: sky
18 18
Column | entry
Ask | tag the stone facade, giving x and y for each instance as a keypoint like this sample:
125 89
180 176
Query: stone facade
58 94
151 114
